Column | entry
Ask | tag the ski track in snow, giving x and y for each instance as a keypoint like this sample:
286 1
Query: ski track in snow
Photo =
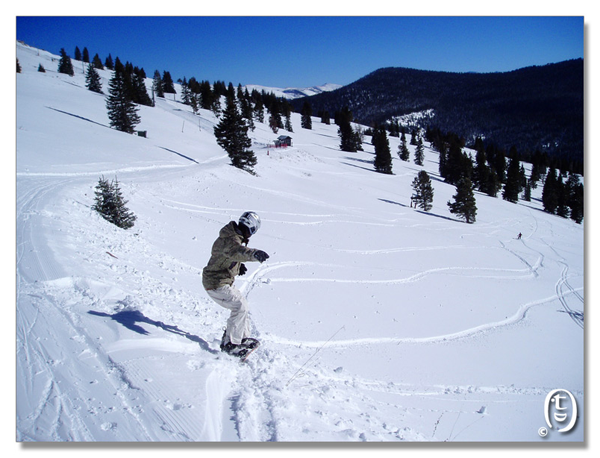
253 396
258 275
515 319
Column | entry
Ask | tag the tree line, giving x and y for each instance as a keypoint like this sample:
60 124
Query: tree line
491 171
127 89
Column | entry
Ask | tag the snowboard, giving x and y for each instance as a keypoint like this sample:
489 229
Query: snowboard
251 344
244 358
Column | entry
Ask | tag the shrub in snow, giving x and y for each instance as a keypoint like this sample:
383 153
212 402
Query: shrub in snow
110 204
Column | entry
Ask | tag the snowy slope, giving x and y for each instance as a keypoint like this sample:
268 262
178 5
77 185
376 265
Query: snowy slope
378 322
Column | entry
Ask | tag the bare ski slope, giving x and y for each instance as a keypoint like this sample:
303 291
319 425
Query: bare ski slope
378 322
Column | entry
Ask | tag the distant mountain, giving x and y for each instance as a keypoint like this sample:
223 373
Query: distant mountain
539 107
294 93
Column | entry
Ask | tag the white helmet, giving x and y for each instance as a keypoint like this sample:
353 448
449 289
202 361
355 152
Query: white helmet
251 220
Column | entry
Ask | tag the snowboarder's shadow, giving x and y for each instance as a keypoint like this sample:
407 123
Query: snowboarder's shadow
131 318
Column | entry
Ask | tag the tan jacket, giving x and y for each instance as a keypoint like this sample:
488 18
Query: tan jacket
227 253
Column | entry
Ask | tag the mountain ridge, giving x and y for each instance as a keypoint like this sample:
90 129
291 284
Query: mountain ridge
293 92
536 107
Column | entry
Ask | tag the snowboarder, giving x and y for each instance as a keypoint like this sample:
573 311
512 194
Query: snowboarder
519 236
228 253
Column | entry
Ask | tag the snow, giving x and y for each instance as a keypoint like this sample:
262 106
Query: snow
378 322
292 92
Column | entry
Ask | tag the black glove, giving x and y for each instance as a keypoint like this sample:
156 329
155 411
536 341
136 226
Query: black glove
243 269
261 255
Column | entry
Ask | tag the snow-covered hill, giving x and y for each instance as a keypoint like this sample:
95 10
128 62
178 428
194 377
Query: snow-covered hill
378 322
294 93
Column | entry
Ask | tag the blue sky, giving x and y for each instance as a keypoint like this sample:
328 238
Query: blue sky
294 51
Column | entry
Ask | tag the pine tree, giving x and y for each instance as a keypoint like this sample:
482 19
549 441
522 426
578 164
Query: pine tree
122 112
575 198
108 62
481 173
419 152
139 92
550 192
345 131
577 206
207 96
64 65
85 56
220 88
423 192
413 137
246 109
562 208
103 202
19 67
240 93
232 136
464 204
500 165
110 204
130 92
230 91
527 193
185 92
195 102
77 53
122 217
287 112
481 170
41 68
306 121
259 107
443 161
97 63
457 164
92 80
522 178
273 123
216 105
157 85
403 152
275 110
513 179
493 184
288 122
537 169
167 83
383 157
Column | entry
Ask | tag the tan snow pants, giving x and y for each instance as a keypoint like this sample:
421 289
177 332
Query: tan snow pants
237 324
